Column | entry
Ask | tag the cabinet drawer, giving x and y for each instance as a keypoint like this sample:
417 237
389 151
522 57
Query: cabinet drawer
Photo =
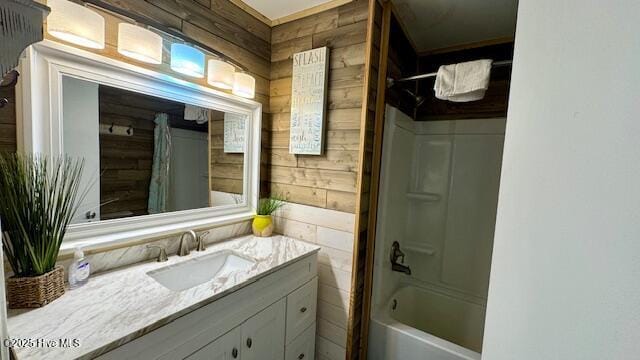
301 309
303 347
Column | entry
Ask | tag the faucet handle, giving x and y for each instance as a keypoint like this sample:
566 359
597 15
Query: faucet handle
162 255
200 246
396 253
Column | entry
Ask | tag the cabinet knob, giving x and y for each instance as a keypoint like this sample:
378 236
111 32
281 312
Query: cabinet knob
301 356
234 353
249 342
303 309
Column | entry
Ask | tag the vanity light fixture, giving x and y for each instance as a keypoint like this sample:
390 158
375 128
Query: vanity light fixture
244 85
220 74
139 43
187 60
76 24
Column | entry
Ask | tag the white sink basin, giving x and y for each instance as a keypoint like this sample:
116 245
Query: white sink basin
194 272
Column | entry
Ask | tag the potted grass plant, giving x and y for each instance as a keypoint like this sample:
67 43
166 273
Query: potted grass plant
38 199
263 221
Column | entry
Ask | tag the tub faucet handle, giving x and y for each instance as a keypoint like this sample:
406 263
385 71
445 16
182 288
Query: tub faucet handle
396 253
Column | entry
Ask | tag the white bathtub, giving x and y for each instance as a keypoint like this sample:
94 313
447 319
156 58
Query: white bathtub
414 328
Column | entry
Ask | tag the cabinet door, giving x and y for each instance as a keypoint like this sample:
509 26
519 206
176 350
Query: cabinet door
263 334
226 347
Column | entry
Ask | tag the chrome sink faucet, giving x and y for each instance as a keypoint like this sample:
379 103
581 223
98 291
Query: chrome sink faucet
396 254
184 245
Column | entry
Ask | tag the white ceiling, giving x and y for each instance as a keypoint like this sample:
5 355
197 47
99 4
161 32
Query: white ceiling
437 24
276 9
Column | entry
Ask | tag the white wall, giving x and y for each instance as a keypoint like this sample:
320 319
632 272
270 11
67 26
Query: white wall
393 204
80 113
565 278
189 170
333 231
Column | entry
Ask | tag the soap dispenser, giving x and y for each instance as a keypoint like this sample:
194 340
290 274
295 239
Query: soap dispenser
79 270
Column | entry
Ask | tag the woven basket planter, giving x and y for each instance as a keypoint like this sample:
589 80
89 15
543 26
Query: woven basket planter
37 291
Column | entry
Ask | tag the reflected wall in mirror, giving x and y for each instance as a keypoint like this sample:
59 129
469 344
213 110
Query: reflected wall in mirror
147 155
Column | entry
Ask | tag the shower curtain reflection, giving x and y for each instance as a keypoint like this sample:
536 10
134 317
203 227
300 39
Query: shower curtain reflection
159 185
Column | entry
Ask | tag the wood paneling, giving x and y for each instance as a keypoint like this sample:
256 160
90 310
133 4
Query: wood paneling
216 24
8 120
363 246
402 62
125 162
226 169
334 180
328 180
369 198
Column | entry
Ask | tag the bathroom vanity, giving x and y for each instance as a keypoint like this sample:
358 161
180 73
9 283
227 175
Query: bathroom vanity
257 302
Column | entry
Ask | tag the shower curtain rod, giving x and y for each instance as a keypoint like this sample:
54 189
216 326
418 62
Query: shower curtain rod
391 81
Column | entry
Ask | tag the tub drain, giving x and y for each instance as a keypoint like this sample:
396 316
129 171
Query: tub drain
394 304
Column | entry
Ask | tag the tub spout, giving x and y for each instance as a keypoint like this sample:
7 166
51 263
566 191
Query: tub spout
396 254
401 268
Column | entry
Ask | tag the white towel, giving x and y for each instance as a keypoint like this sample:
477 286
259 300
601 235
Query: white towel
196 113
463 82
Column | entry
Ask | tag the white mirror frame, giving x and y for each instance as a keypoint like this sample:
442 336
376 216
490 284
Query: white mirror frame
39 108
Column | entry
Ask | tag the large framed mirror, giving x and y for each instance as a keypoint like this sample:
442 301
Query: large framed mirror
161 154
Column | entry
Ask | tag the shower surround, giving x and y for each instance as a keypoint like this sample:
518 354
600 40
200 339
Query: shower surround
439 191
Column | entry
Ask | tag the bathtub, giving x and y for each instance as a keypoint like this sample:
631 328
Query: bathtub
415 321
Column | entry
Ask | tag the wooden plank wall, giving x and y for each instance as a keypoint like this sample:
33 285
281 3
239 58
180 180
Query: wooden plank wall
219 24
326 181
226 169
495 101
402 62
8 120
368 119
125 161
339 179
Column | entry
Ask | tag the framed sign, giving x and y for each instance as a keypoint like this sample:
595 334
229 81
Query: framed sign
234 128
308 99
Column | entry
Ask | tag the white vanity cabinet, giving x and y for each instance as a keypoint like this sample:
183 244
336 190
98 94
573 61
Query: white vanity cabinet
259 338
272 318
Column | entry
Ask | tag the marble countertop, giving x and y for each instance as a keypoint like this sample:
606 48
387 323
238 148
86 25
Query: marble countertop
118 306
